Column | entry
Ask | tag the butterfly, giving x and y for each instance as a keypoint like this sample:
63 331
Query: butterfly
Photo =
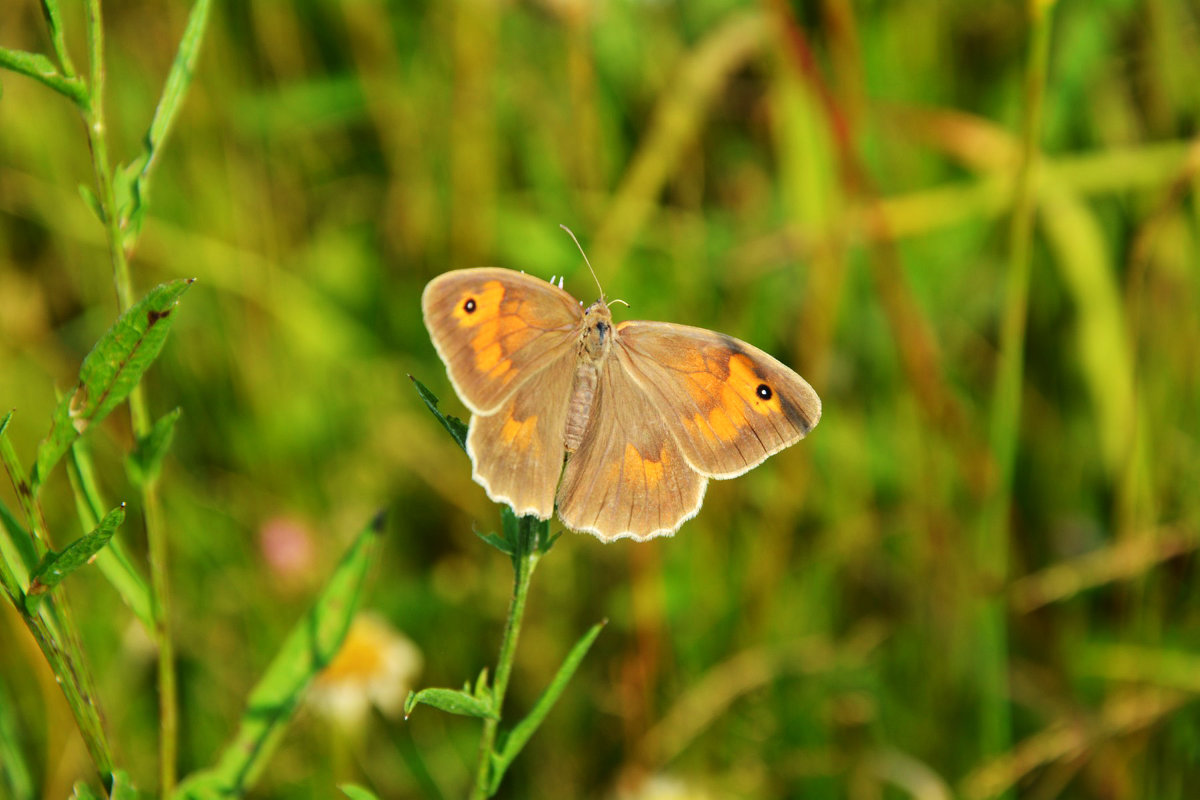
644 412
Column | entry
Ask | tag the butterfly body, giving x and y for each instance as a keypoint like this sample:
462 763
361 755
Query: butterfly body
594 347
644 412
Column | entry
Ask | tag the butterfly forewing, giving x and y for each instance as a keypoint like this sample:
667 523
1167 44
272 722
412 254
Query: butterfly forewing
628 477
495 328
726 403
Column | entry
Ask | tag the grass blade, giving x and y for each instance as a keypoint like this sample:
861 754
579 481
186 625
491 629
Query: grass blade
110 371
311 645
55 567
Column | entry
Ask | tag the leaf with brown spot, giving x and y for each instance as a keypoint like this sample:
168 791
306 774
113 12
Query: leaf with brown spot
110 371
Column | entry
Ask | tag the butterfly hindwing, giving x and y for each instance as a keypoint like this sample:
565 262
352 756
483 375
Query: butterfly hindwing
517 451
628 477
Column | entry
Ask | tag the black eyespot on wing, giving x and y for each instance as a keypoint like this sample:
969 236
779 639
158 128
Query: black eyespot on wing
469 306
764 392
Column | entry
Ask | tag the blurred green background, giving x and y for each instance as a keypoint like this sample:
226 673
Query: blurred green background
832 181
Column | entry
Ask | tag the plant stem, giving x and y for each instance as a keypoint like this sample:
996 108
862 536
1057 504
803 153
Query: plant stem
992 554
139 416
524 559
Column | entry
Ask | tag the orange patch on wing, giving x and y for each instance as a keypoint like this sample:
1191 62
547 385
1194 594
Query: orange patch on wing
698 423
725 420
653 470
486 305
488 357
744 382
494 323
519 433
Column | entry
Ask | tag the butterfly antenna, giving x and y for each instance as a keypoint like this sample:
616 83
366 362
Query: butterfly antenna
585 259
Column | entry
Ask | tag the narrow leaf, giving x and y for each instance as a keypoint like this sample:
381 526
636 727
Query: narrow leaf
510 524
311 645
16 555
355 792
122 787
145 462
17 546
114 563
497 541
57 566
519 735
84 792
110 371
42 69
451 701
169 104
456 427
90 200
54 23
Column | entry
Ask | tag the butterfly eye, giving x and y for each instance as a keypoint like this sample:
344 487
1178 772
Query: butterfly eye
763 391
469 306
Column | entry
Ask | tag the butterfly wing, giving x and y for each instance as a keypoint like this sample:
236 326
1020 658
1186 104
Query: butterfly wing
628 477
517 452
495 328
727 404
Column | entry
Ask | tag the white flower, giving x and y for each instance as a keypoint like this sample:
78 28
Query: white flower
376 666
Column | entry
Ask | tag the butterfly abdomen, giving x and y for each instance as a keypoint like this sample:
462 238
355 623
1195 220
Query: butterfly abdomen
579 412
594 346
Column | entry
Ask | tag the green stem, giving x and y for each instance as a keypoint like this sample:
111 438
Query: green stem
996 732
524 559
54 629
139 416
72 674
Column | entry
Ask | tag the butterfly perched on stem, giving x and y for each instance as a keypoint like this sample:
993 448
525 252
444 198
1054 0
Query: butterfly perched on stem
644 412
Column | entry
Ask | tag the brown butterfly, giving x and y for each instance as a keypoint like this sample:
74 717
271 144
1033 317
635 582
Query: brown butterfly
646 412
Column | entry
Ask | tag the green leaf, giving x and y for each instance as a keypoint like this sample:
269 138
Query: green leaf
452 701
42 69
456 427
90 200
84 792
122 787
355 792
511 745
165 114
54 23
497 541
17 548
145 462
311 645
113 561
110 371
57 566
